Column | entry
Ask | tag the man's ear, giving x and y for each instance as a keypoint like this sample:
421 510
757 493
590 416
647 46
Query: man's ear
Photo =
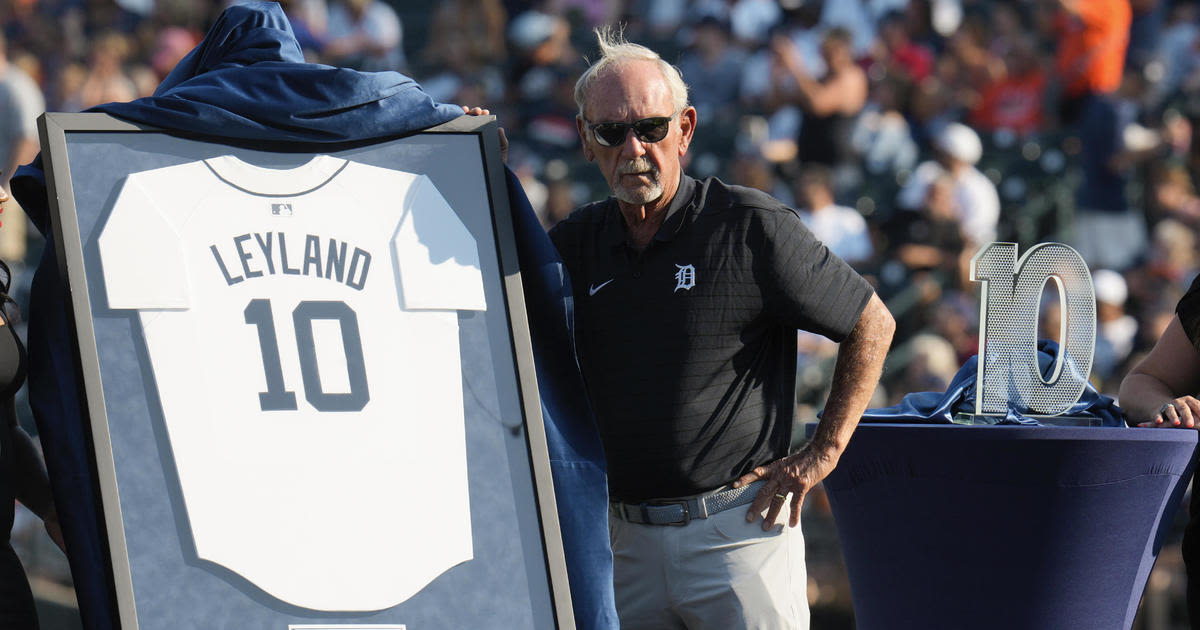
687 126
580 126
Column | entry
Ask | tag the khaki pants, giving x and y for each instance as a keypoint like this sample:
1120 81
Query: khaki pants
718 573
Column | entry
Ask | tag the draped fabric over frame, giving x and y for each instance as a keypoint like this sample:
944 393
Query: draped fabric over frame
247 80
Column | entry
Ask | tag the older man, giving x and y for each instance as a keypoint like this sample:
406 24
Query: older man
688 295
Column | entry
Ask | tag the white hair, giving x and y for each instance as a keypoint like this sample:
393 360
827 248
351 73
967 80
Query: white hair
615 51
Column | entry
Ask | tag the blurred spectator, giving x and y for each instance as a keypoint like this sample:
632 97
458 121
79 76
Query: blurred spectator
542 73
171 45
310 22
364 34
105 16
978 205
475 29
1102 208
465 50
926 259
942 98
956 320
932 364
897 54
1093 35
21 102
64 93
752 20
1050 318
1171 263
560 200
712 68
1116 330
145 80
1008 27
767 87
946 16
1145 27
538 40
1174 195
1175 56
881 133
830 105
969 46
841 229
658 20
855 19
754 171
1013 100
930 239
106 80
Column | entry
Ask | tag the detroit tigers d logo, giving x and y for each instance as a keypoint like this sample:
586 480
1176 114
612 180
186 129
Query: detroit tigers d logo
685 278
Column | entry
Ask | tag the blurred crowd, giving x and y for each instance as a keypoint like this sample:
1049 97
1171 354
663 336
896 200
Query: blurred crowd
906 133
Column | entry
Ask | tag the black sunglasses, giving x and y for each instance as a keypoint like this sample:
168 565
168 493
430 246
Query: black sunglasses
611 134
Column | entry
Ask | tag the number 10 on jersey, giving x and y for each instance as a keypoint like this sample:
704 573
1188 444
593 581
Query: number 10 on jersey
278 397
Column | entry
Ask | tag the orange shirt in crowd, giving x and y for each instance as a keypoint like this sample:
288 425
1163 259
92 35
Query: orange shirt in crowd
1092 42
1014 102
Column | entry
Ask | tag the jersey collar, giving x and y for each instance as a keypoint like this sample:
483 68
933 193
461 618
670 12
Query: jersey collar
274 182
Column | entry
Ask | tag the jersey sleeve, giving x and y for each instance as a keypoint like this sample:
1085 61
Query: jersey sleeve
810 288
140 253
437 256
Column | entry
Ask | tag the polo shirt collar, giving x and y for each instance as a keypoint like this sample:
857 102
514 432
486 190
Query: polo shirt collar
614 232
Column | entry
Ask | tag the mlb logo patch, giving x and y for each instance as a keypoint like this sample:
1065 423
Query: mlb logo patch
281 209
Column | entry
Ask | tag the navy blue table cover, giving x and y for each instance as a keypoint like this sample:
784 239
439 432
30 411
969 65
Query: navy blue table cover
949 526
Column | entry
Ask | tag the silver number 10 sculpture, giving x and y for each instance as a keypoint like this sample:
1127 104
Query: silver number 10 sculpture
1008 374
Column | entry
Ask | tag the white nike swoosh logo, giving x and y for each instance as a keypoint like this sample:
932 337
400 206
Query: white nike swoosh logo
592 290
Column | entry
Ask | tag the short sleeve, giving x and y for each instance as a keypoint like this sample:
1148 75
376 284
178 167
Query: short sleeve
140 254
810 288
436 254
1188 311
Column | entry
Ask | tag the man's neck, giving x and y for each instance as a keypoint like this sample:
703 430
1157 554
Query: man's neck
642 221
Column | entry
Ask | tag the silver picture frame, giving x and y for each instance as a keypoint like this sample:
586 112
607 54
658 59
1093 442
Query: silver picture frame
516 576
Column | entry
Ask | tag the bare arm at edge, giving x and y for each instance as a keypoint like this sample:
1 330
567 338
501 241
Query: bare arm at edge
1169 374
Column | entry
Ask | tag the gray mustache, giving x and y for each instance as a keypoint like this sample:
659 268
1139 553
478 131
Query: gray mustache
637 165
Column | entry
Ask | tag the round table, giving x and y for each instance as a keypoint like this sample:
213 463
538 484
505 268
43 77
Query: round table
950 526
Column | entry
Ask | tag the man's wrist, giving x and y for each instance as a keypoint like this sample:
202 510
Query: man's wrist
823 451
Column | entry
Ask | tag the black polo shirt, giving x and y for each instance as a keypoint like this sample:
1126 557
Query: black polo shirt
689 348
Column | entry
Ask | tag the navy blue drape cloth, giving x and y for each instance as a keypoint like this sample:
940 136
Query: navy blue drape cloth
959 397
576 454
248 80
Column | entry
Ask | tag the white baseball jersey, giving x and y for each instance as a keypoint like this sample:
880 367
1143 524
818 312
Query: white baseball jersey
302 327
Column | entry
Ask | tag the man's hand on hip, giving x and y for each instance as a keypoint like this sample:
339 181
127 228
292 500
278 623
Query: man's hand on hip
855 374
787 479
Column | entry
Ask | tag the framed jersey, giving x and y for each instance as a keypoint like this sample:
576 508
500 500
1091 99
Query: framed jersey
308 379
